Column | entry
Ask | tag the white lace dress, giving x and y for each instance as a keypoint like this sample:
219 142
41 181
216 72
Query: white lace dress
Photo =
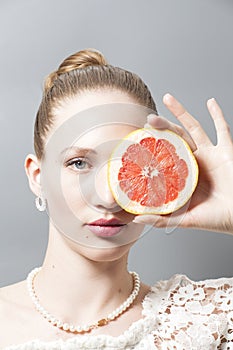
178 314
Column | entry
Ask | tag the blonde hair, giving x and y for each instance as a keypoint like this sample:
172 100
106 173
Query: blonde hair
84 70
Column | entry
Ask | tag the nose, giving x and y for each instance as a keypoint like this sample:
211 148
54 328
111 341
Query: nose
103 198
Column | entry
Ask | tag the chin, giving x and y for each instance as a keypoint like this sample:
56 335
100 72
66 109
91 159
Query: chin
101 254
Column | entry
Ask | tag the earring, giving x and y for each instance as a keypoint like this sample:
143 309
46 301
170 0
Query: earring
40 203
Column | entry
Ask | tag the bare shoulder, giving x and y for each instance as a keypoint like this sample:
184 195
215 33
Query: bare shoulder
19 321
12 299
13 305
13 294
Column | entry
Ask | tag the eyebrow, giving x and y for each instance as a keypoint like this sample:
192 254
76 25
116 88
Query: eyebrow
78 149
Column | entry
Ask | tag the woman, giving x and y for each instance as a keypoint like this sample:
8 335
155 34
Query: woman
73 301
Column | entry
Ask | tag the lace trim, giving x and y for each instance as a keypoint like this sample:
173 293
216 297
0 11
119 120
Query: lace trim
196 315
130 337
177 314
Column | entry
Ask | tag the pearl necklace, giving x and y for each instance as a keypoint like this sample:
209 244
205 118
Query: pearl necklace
86 328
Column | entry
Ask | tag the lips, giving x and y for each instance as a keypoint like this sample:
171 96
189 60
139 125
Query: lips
104 222
106 228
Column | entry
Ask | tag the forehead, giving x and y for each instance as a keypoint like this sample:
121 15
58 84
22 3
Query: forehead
94 118
104 132
88 99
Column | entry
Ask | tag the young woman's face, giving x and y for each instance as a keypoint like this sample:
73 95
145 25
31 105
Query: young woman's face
74 169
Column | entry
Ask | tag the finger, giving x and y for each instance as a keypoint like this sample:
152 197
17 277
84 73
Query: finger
178 218
187 120
162 221
222 128
148 219
159 122
153 220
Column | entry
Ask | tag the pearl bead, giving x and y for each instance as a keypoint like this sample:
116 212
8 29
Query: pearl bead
53 321
72 328
65 326
86 328
59 324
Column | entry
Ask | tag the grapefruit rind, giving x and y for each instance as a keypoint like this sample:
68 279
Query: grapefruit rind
183 151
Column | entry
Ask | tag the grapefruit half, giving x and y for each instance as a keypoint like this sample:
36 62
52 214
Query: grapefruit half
152 171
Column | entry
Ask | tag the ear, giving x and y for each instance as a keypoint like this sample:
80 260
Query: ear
32 169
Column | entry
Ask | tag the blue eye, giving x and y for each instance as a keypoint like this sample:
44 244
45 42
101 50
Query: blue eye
79 164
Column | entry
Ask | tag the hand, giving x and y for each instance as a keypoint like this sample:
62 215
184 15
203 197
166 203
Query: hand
211 206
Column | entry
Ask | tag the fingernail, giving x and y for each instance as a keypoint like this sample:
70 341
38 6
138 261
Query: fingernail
211 100
147 126
167 95
151 116
137 220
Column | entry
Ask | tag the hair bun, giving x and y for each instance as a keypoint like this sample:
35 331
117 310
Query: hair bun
80 59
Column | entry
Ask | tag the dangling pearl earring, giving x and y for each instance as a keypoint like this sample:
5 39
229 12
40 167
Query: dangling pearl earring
40 203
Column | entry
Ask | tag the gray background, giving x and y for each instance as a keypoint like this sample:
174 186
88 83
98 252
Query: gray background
183 46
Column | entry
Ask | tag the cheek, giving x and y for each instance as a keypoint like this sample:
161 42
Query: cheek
65 206
72 190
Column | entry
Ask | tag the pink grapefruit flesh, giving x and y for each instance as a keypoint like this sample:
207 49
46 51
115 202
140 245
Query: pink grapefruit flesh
152 172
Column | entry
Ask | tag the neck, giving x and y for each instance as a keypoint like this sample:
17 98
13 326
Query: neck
70 280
